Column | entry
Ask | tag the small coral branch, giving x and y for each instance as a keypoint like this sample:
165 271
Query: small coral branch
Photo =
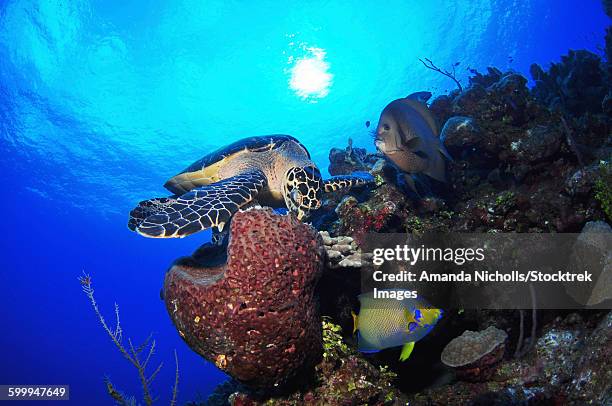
452 75
520 350
519 343
176 381
119 398
131 353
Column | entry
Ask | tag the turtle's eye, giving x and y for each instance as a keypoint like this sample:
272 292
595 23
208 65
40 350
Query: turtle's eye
386 127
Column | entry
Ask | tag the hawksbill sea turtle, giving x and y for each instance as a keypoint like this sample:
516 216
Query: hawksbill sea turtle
271 170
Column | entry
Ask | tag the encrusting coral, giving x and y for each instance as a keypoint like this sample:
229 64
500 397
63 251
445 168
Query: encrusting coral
255 316
474 354
342 251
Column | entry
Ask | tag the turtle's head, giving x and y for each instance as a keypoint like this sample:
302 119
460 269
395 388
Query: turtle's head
302 189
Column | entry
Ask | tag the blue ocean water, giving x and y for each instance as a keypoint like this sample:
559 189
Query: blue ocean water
102 101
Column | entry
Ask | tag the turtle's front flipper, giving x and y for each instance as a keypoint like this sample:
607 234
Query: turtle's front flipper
147 208
347 181
201 208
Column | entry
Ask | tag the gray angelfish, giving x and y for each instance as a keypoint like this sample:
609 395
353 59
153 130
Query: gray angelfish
408 136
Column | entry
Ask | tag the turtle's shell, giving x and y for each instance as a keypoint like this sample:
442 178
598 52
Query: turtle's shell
210 163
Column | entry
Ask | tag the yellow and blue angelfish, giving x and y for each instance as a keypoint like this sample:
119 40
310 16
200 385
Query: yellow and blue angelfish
386 323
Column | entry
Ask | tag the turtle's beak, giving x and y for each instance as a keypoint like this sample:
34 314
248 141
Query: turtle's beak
301 214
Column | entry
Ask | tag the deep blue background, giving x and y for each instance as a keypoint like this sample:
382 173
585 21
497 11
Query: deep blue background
102 101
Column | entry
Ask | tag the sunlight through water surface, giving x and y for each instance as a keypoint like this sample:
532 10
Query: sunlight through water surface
310 75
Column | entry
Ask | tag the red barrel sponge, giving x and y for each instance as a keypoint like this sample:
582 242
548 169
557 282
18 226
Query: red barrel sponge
254 312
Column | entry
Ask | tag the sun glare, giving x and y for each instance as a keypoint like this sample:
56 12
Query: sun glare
310 77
